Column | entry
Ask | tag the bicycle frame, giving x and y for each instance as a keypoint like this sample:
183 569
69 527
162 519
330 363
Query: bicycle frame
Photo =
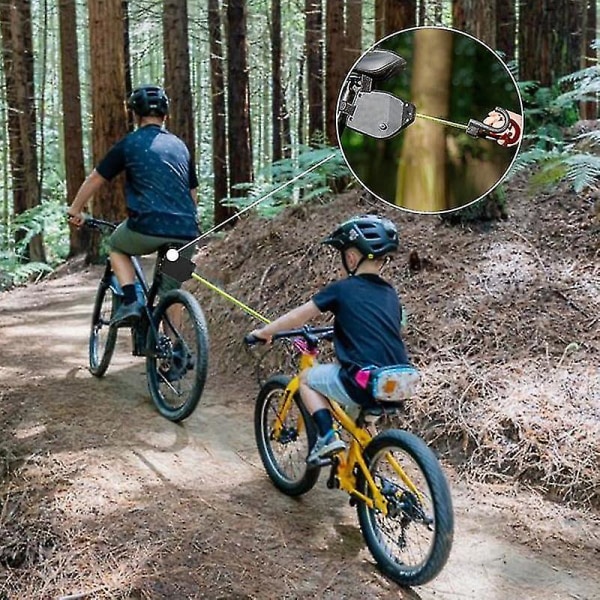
343 465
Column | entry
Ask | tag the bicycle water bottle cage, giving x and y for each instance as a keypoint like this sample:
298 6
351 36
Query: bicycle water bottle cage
377 114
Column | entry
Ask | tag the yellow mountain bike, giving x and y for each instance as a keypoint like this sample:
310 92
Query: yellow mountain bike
393 478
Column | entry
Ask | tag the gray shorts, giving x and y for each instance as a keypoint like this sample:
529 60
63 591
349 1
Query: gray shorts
133 243
325 379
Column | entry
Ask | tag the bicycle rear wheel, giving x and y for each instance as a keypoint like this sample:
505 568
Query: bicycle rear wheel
177 362
410 544
102 337
284 440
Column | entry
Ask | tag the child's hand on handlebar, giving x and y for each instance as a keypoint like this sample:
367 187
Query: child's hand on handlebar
258 336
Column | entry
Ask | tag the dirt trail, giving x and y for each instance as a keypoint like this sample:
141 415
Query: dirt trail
108 498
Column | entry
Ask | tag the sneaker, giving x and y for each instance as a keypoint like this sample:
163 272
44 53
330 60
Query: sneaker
325 447
126 315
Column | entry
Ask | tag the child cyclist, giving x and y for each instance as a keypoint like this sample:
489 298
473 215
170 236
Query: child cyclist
367 320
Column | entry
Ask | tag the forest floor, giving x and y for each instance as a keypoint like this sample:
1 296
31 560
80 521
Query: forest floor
100 497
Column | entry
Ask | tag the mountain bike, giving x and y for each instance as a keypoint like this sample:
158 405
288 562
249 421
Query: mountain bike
172 336
393 478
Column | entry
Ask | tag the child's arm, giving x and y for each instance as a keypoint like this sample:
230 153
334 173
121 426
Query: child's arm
291 320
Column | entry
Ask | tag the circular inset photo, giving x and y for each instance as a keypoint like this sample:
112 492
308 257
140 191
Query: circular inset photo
429 119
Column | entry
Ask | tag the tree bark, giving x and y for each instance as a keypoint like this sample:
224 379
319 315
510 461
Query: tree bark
276 86
392 16
550 36
107 64
506 28
313 43
334 61
589 110
219 133
238 92
17 53
421 181
477 17
177 71
71 104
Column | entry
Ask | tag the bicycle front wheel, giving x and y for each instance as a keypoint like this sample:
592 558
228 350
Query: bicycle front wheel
102 337
177 355
284 437
410 544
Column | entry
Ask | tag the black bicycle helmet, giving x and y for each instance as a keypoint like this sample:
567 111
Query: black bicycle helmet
149 100
373 236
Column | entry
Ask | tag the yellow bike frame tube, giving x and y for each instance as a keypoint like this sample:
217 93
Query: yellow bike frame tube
229 297
284 407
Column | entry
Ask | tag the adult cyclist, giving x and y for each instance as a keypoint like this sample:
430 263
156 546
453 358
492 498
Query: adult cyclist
160 192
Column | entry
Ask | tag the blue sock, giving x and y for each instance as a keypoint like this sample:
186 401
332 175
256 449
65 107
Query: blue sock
323 420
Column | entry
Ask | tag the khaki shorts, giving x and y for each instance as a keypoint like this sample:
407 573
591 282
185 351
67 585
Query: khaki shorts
133 243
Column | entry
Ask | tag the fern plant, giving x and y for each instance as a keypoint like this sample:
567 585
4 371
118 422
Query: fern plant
314 184
548 114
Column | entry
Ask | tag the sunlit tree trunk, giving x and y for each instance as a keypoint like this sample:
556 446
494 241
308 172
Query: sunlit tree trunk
219 133
17 53
238 94
313 43
177 71
421 181
107 63
71 103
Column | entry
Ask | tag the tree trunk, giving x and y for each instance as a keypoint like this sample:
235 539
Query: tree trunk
238 93
219 134
177 71
107 65
313 43
71 104
127 59
335 64
17 52
276 86
392 16
421 173
506 28
477 17
550 35
589 110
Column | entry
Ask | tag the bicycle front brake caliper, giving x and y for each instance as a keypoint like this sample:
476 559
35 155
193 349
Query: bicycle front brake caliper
377 114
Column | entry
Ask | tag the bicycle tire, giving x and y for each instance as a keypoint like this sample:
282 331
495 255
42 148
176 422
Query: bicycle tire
101 354
406 511
168 398
293 477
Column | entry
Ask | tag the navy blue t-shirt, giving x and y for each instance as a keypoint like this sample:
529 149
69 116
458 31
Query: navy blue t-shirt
366 327
159 177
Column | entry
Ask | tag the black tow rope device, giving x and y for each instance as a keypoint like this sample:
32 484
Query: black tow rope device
382 115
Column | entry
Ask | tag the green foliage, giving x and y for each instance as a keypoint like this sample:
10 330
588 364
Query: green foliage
47 219
317 183
558 154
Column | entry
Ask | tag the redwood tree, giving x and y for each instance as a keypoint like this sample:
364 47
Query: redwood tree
177 71
106 22
392 16
17 54
313 43
219 134
71 104
238 94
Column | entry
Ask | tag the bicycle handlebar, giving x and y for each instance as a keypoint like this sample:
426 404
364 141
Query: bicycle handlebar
93 223
312 335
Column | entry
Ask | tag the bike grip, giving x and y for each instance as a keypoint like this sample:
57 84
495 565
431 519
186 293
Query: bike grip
252 340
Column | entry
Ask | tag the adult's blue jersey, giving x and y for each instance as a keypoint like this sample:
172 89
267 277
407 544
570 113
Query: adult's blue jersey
159 177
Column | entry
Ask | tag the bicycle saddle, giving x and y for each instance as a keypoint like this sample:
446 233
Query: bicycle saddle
380 65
